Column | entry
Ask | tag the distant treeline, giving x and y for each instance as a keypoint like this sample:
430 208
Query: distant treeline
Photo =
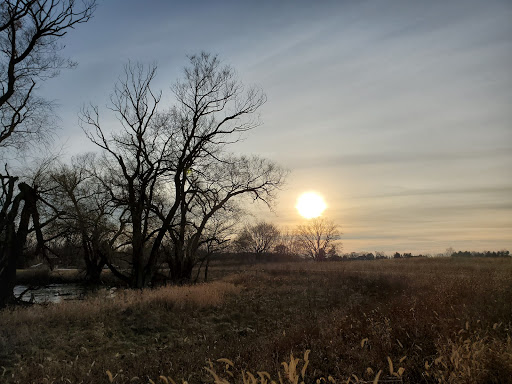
252 257
237 258
372 256
265 257
503 253
73 258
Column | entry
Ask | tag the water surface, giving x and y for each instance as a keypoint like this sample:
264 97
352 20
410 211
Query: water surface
56 293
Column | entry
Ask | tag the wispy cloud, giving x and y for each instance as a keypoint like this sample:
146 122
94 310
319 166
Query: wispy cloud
395 157
397 111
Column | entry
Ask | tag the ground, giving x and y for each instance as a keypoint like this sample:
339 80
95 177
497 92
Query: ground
412 320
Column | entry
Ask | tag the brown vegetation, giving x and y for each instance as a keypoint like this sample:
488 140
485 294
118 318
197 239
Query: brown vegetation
412 320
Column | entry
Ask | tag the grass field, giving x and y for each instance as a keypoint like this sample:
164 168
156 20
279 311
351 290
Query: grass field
412 320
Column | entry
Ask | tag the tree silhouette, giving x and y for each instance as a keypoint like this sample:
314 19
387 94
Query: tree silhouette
258 238
167 172
316 236
30 34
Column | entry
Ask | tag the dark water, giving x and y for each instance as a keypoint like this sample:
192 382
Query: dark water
56 293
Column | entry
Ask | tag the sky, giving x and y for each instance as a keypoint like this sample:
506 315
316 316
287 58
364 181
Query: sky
397 112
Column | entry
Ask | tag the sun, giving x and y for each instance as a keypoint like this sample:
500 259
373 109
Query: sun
310 205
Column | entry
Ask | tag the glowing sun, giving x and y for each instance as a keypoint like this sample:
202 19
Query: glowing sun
310 205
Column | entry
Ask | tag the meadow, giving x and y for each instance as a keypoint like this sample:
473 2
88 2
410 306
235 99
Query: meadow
408 320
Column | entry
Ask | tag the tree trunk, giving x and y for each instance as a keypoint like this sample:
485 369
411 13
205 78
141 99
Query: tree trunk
206 269
7 275
137 278
180 267
93 273
14 241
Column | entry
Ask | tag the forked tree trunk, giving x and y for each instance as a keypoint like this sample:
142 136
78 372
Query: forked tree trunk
180 267
93 272
13 243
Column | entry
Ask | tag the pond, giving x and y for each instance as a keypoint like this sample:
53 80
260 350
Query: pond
56 293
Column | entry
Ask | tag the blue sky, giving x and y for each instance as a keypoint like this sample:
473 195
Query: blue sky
397 112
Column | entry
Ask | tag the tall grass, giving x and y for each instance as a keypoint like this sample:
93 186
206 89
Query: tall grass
410 321
167 297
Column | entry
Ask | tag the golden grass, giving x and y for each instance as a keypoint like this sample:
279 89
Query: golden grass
475 354
460 363
169 297
293 371
410 321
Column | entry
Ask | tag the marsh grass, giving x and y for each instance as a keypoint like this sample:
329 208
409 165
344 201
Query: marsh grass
97 306
427 321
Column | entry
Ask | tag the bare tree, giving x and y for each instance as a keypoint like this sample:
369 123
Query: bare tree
287 243
316 236
133 160
258 238
215 238
30 31
214 192
86 219
20 216
213 110
168 171
30 34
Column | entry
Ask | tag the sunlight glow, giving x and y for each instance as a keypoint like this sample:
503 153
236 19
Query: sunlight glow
310 205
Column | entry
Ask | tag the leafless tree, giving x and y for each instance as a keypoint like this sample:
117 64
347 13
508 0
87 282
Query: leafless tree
30 31
13 234
287 243
213 110
20 216
214 238
86 218
168 171
316 236
30 34
135 161
213 193
258 238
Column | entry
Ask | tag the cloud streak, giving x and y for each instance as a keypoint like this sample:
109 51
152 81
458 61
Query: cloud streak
398 112
393 158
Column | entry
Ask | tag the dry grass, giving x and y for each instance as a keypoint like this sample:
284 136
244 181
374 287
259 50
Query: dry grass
167 298
293 371
414 321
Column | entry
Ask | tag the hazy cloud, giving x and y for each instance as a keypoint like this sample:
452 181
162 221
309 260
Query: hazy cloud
397 111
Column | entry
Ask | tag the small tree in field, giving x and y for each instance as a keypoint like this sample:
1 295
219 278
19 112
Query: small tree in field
287 242
258 238
316 237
